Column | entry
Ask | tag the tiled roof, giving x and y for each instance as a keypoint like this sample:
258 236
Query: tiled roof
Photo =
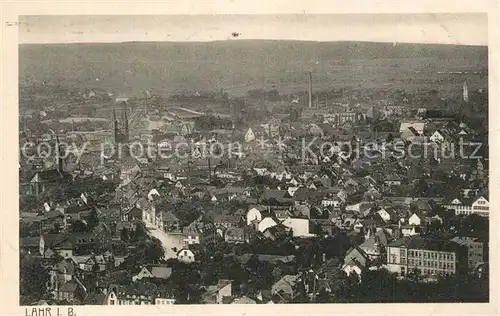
417 242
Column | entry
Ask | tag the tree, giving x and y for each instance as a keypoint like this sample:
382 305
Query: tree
79 227
124 235
93 220
139 233
390 138
420 188
154 251
33 278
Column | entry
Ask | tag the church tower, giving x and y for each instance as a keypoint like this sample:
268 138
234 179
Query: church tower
465 92
121 136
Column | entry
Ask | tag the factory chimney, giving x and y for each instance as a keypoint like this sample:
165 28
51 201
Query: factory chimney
310 89
465 92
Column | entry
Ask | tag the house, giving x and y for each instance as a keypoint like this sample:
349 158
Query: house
70 292
415 128
215 294
437 137
375 243
243 300
299 226
61 273
276 232
249 135
475 250
387 214
267 222
187 128
170 222
39 245
314 130
186 255
286 287
261 171
356 260
416 219
133 214
155 271
480 206
254 214
234 235
334 201
410 230
139 293
226 221
392 180
45 180
429 256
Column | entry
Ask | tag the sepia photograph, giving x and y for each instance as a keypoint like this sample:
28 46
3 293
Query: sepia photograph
253 159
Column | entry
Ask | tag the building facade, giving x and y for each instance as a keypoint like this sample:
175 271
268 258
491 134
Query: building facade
430 257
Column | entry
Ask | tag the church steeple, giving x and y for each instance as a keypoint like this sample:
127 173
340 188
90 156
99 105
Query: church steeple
465 91
126 124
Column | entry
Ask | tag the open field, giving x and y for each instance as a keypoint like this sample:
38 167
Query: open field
238 66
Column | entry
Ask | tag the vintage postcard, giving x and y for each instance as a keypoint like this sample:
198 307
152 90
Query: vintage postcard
172 160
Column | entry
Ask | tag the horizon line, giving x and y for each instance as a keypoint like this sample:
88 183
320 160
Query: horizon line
395 43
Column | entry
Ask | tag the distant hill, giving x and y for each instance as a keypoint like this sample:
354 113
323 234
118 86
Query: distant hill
238 66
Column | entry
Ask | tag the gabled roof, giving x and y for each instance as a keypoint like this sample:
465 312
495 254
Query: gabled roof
68 287
417 242
51 175
235 231
269 258
161 271
392 177
170 217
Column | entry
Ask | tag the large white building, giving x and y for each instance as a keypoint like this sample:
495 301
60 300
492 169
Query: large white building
480 206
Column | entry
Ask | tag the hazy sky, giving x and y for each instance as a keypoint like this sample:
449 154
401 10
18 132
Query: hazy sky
469 29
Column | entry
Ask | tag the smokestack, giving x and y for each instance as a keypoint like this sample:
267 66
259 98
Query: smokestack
465 92
310 89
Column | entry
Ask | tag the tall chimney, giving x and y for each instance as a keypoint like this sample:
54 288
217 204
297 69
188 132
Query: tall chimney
126 124
310 89
465 92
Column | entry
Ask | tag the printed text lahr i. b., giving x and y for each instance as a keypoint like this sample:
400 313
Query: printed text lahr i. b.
49 311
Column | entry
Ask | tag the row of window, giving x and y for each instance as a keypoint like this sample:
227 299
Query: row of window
476 245
428 255
433 271
482 208
133 303
158 302
431 264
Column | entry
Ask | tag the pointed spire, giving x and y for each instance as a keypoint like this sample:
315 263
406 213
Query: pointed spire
465 91
126 124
